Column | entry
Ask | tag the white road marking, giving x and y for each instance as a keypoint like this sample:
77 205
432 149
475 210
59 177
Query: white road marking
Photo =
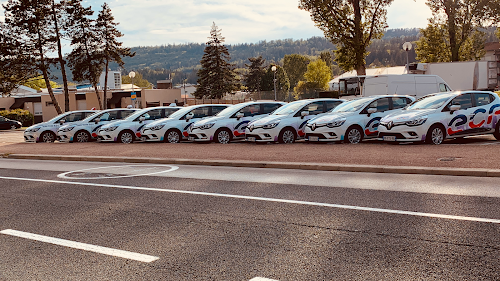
134 174
81 246
262 279
307 203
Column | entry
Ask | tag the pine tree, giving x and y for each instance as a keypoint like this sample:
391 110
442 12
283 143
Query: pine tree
111 47
31 22
216 75
15 65
86 59
253 79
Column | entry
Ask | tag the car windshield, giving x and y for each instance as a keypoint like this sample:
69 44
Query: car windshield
229 111
138 113
290 108
58 117
433 102
91 117
181 112
352 106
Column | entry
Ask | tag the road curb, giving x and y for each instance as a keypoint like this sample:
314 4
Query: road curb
276 165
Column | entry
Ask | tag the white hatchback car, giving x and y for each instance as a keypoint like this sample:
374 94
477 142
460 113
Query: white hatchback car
230 124
355 120
129 129
175 128
86 130
47 131
287 123
446 115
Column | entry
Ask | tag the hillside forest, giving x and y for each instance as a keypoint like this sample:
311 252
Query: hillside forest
181 61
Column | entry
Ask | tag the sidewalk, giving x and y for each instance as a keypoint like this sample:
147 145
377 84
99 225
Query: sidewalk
477 156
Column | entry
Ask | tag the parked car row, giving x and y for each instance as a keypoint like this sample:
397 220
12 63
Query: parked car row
432 119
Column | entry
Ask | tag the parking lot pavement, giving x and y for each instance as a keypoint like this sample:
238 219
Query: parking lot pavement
472 152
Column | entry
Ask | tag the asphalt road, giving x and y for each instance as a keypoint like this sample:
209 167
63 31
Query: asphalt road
220 223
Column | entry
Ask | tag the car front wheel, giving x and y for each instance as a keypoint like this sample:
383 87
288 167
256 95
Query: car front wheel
48 137
435 135
172 136
223 136
496 134
287 135
353 135
126 137
82 136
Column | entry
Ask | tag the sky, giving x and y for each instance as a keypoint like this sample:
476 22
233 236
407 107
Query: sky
163 22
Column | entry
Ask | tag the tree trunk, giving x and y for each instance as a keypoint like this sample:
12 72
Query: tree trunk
358 39
61 61
43 67
105 105
450 12
98 96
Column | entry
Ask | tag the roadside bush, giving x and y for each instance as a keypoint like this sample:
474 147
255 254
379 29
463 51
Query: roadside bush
21 115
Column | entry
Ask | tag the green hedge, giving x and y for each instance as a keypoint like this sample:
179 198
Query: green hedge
21 115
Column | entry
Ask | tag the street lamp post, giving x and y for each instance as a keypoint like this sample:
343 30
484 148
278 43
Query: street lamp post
273 68
407 47
131 74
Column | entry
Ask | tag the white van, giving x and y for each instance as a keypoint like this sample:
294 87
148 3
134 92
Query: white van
415 85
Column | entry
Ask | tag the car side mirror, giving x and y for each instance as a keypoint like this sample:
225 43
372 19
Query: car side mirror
62 121
239 115
97 120
304 114
189 116
141 119
454 107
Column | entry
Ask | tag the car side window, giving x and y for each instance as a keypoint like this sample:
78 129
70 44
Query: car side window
200 112
381 105
314 108
103 117
399 102
169 111
251 110
77 116
464 101
270 107
154 114
482 99
331 104
217 109
125 113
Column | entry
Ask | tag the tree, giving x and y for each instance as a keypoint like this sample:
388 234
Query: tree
86 59
351 25
461 18
295 66
253 79
319 74
112 49
139 80
216 75
282 82
59 17
434 45
30 21
15 65
38 83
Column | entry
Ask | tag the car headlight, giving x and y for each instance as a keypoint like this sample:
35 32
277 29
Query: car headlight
206 126
416 122
336 123
34 129
156 127
111 128
67 129
271 125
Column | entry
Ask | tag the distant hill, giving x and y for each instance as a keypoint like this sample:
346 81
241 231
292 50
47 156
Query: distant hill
156 62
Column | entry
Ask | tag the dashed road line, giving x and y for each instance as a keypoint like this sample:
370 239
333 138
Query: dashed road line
266 199
81 246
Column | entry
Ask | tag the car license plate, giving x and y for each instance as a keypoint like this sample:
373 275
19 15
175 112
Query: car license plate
190 138
313 138
251 139
389 138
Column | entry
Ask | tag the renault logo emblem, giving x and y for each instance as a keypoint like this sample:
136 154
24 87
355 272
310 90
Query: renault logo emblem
313 127
389 125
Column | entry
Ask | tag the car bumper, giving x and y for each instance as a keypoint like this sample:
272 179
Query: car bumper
64 137
201 135
324 134
262 135
402 133
107 136
150 135
28 137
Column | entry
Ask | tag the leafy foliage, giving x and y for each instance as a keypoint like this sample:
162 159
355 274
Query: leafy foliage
461 19
282 82
318 73
139 81
295 66
38 83
351 25
253 79
216 75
